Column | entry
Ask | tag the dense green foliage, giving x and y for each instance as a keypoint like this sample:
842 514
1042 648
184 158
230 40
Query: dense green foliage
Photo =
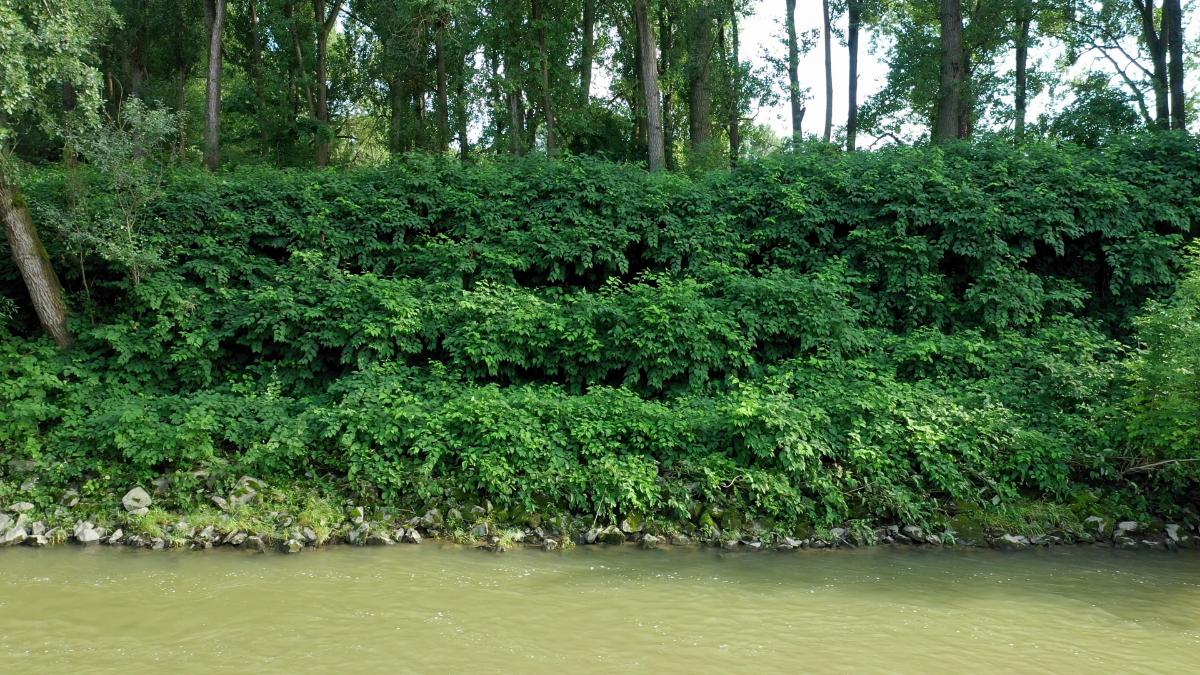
811 338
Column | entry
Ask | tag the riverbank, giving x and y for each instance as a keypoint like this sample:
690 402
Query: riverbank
255 516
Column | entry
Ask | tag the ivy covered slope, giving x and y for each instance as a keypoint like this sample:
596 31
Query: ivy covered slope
812 339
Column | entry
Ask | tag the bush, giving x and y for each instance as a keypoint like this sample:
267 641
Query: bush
810 338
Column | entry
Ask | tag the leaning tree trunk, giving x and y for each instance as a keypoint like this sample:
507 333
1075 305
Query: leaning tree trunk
947 124
828 72
854 20
1022 78
45 291
1173 16
214 11
651 96
793 67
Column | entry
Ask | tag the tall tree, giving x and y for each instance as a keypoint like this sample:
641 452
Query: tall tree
1024 24
735 100
539 21
853 24
949 120
1173 18
828 37
325 21
650 94
587 49
793 68
214 14
701 29
1154 38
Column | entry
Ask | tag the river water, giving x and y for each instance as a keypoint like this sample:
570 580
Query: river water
442 609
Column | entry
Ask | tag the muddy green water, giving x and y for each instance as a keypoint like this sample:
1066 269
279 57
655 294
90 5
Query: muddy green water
433 609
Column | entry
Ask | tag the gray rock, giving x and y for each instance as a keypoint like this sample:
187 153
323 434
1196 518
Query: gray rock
631 527
256 543
21 466
116 537
87 535
613 536
933 540
158 544
650 541
680 540
838 533
69 498
357 515
478 511
20 507
161 485
136 499
754 545
377 539
241 495
730 544
37 528
480 531
1011 542
358 536
1125 543
549 545
1127 527
235 538
412 536
221 502
1095 524
1171 529
37 540
309 534
207 534
914 533
13 536
591 536
432 518
6 522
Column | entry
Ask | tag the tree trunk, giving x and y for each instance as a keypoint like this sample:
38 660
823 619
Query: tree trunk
587 50
214 12
1173 11
828 72
442 102
793 67
1022 77
1157 46
953 73
461 118
256 74
646 50
325 24
700 45
45 291
396 97
516 114
854 21
666 49
544 57
735 103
